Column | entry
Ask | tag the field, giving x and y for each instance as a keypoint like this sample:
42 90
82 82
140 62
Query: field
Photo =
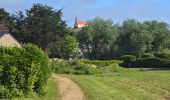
139 85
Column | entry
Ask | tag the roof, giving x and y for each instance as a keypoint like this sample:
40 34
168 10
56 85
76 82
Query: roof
3 33
80 22
4 30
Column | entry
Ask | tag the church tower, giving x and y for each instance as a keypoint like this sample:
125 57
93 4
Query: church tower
79 23
75 23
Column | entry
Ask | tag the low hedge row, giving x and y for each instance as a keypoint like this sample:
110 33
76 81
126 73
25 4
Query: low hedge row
148 55
74 67
152 63
128 60
23 71
102 63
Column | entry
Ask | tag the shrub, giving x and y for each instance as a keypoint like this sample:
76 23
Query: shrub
164 54
101 63
74 67
148 55
40 60
62 67
110 68
86 69
115 68
152 63
23 71
128 60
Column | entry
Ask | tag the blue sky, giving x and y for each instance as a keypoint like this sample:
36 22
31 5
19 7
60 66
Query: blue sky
117 10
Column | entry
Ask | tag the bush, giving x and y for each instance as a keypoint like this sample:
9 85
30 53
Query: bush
101 63
74 67
148 55
128 60
110 68
23 71
40 60
115 68
152 63
164 54
62 67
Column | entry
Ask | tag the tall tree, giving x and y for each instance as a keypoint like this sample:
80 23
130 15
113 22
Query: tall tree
160 32
18 26
65 48
97 38
129 36
44 25
134 39
5 18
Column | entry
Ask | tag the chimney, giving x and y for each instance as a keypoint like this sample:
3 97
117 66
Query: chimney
3 28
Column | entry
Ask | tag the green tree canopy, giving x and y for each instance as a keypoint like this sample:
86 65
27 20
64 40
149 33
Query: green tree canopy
4 18
44 25
98 38
65 48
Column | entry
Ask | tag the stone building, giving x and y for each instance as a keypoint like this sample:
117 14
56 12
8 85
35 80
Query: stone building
6 39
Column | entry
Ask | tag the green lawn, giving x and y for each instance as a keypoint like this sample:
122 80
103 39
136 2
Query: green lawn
139 85
52 90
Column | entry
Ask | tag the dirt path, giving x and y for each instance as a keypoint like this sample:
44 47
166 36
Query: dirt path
68 89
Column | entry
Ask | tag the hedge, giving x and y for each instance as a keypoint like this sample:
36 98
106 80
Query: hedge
23 71
148 55
74 67
152 63
128 60
102 63
163 54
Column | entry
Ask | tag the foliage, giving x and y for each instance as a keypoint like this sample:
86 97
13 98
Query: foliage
40 25
128 60
163 54
148 55
65 48
134 39
152 63
19 26
115 68
62 67
101 39
37 56
98 38
74 67
5 18
102 63
24 71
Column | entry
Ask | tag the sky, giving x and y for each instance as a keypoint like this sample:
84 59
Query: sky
117 10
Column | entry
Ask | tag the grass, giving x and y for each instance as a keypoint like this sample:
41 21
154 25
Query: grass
137 85
52 92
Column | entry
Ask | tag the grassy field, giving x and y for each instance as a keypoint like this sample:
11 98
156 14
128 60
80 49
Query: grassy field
52 90
139 85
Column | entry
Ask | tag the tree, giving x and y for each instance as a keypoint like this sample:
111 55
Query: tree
131 39
160 32
4 18
18 27
65 48
44 25
98 38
